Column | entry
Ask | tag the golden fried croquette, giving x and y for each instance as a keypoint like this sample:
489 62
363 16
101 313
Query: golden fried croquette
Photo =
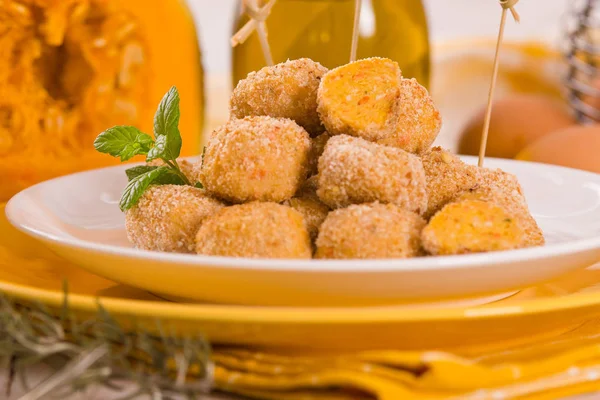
503 189
361 98
316 149
256 158
286 90
370 99
307 203
471 226
447 176
418 121
370 231
353 171
256 230
167 218
313 211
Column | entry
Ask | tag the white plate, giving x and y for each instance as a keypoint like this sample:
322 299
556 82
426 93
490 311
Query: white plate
78 217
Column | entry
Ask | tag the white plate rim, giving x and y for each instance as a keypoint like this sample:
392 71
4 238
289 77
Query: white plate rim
297 265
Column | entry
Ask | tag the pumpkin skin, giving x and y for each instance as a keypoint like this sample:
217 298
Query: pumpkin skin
71 68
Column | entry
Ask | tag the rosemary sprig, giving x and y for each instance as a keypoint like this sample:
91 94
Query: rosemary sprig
98 351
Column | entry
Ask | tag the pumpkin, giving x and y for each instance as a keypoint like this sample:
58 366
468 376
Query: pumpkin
71 68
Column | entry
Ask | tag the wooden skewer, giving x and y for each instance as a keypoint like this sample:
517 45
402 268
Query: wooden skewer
354 46
258 17
506 6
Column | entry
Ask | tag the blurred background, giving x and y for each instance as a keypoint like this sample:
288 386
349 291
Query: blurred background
72 68
448 22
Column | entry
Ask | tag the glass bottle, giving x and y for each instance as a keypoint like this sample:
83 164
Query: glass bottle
322 30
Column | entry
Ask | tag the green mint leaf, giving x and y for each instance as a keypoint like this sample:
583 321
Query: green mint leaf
124 142
138 185
168 178
166 130
167 115
199 185
139 170
162 149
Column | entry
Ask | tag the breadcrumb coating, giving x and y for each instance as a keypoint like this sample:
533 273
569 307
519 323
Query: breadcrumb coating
167 218
285 90
447 176
353 171
316 150
256 158
370 231
313 211
255 230
418 121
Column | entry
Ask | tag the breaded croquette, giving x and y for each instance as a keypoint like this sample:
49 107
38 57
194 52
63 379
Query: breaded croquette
447 176
332 165
471 226
353 171
256 158
370 231
313 211
370 99
418 122
361 98
286 90
255 230
307 203
167 218
504 190
316 149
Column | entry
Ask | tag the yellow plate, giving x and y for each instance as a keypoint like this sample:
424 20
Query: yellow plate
30 272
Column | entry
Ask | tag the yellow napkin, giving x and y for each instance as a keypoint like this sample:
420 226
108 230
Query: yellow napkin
565 366
546 367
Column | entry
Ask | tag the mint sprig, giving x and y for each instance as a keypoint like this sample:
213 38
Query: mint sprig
124 142
166 128
169 178
138 185
127 142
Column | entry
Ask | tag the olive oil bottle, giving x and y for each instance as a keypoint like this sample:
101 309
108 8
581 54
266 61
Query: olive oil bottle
322 30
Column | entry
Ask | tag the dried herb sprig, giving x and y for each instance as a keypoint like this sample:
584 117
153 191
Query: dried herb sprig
98 351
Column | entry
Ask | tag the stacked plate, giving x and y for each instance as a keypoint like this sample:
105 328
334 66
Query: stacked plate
404 303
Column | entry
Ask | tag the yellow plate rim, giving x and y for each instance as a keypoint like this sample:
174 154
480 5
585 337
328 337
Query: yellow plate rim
298 315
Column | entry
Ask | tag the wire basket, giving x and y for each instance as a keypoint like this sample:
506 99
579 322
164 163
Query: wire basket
582 53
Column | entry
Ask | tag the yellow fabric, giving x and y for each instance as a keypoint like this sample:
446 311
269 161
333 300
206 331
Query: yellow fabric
390 375
553 365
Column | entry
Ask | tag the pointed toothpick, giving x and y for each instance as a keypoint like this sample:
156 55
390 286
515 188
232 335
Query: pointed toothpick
507 5
354 46
258 17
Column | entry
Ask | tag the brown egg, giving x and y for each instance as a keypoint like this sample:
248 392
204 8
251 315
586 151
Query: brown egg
517 121
575 147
